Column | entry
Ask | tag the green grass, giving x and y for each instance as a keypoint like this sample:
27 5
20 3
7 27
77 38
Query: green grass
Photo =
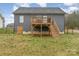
6 31
24 45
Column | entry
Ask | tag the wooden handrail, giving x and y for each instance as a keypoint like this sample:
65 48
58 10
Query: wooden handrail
56 25
39 20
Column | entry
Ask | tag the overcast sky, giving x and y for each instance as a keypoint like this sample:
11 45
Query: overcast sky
7 8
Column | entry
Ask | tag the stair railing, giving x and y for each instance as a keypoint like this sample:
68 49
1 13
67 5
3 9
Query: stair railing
55 24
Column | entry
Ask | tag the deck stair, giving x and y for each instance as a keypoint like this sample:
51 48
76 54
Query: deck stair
53 30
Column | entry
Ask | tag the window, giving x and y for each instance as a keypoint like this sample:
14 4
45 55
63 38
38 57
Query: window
21 19
45 17
38 17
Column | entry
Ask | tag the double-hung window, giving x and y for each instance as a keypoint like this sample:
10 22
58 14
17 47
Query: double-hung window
44 19
21 19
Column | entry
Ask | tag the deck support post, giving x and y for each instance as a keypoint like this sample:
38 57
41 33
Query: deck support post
31 26
41 27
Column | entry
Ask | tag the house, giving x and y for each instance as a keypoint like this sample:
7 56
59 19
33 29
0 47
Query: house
11 25
39 20
1 21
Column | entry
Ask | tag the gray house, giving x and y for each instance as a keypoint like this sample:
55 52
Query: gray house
29 19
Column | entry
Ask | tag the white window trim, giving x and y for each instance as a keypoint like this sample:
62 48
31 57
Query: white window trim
21 19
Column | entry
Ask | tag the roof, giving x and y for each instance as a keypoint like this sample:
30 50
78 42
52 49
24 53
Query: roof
38 10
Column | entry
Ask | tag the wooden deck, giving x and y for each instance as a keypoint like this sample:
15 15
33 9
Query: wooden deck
39 22
52 26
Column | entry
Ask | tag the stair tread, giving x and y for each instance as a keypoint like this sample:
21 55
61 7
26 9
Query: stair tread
54 31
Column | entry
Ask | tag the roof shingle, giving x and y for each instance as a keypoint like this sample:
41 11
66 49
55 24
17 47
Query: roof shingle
38 10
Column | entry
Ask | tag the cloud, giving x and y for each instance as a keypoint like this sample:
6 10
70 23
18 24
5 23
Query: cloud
71 9
9 20
16 6
42 4
23 4
68 4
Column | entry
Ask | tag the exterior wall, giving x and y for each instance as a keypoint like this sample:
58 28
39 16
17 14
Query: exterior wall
1 22
60 21
16 22
27 22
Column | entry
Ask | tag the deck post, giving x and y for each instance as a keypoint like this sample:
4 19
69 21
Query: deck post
31 26
41 27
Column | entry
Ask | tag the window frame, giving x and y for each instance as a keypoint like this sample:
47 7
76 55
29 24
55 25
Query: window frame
45 17
21 19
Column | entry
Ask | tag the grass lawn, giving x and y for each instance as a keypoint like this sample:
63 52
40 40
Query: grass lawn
24 45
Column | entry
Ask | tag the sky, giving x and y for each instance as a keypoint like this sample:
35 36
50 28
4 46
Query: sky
7 9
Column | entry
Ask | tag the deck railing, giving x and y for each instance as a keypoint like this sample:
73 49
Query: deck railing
41 21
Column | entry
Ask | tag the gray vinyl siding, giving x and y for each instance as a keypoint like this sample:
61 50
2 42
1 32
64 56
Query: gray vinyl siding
27 21
16 21
26 24
59 19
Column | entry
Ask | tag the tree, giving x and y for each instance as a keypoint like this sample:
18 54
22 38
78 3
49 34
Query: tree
72 21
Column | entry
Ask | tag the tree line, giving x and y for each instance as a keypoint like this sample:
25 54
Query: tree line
72 21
